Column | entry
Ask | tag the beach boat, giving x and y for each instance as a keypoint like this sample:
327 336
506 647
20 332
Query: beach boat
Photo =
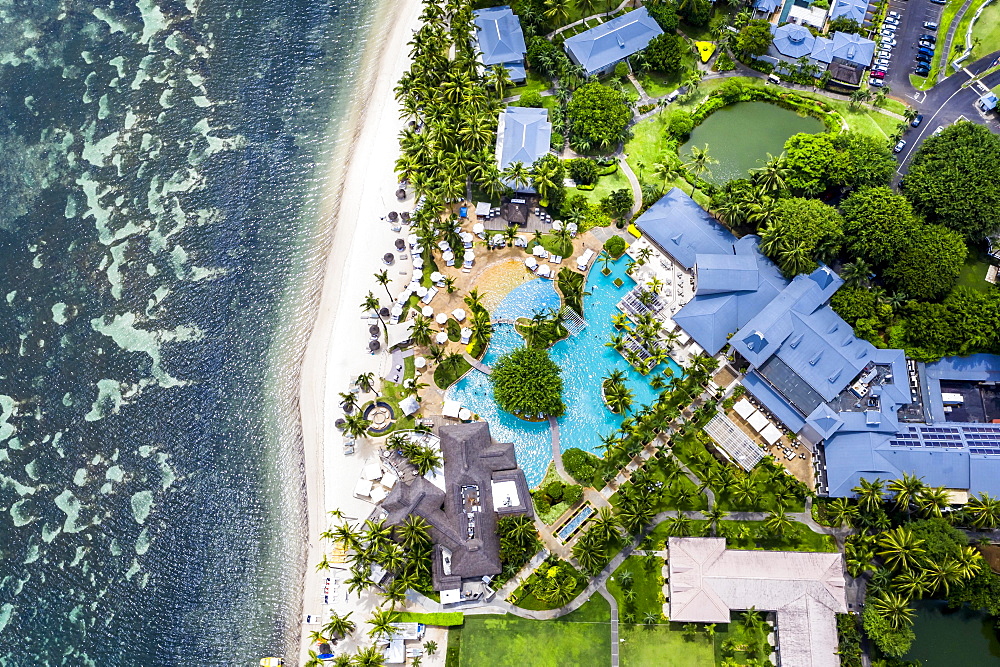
271 662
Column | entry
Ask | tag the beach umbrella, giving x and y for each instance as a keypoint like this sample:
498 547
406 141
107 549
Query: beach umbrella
436 277
383 311
427 311
443 245
421 292
400 244
544 270
538 251
530 262
412 240
405 215
393 216
373 330
418 261
448 256
458 314
572 227
557 225
442 338
419 362
478 228
442 318
388 258
397 310
401 194
340 423
467 237
374 345
465 414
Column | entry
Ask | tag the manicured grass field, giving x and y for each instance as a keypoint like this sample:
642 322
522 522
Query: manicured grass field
973 274
580 638
646 584
535 83
658 84
987 31
664 646
741 535
604 187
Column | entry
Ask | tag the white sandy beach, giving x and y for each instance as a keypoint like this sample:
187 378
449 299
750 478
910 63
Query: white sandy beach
361 187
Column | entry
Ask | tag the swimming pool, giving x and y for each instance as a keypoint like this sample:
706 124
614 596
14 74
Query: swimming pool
567 530
584 360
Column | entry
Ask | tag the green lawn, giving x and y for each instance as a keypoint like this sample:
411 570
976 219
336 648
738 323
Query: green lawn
449 371
647 584
987 31
958 46
604 187
973 274
535 83
444 618
658 84
665 646
557 510
743 535
393 393
580 638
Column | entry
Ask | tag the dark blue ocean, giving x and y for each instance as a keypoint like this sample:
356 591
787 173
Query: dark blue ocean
161 165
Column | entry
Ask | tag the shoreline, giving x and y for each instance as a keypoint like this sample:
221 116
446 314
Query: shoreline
361 186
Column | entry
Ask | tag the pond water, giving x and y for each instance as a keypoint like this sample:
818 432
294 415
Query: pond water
946 637
584 360
741 135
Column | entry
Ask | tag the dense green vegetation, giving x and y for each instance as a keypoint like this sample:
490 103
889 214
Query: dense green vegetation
637 585
598 116
526 382
553 584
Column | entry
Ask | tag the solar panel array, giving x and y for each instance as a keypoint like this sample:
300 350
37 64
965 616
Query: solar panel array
978 438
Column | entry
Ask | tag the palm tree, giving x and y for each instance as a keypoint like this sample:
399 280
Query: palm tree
795 259
931 501
773 174
869 494
856 272
369 656
700 161
679 525
543 178
970 561
414 531
517 174
895 609
714 516
557 11
605 526
777 522
985 511
383 279
431 647
421 331
618 396
667 170
942 575
901 549
323 564
366 383
381 622
348 401
586 7
840 511
316 637
907 488
313 660
355 425
339 626
372 304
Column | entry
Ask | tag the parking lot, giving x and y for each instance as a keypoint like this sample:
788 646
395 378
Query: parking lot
912 15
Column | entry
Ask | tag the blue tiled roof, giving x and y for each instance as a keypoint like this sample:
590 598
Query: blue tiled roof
793 40
498 33
610 42
767 6
709 320
773 401
523 134
682 228
853 48
822 50
824 421
852 9
517 72
726 273
976 368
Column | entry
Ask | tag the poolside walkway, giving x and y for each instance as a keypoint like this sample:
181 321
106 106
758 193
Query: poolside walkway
475 363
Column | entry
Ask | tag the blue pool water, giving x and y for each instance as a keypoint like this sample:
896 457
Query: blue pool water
575 522
584 360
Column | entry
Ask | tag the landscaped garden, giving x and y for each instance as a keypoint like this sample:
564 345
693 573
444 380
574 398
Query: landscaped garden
637 586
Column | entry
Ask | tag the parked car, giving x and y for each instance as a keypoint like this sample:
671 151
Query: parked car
929 25
928 38
877 83
938 130
878 74
926 60
924 50
926 45
917 120
940 2
882 61
890 22
894 15
888 33
887 43
922 70
884 54
928 56
900 145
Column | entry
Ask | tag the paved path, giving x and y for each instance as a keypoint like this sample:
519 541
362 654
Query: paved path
557 451
475 363
603 590
952 29
633 183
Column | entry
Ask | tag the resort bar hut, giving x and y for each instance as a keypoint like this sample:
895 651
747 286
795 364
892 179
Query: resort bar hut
500 41
523 135
599 49
482 210
988 102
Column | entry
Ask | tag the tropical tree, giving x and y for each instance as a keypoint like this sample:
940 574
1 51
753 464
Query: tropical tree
339 626
901 549
869 494
777 522
381 622
517 174
985 511
895 609
932 501
366 383
372 304
556 11
355 425
714 516
421 331
667 170
773 174
700 162
383 279
313 660
369 656
906 489
431 647
841 511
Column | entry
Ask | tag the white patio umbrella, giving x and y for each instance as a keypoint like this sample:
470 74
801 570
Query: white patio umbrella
419 362
427 310
448 256
539 251
441 338
441 318
436 277
458 314
531 263
396 310
443 245
571 227
557 225
466 237
465 414
412 240
417 249
421 292
478 228
418 262
544 270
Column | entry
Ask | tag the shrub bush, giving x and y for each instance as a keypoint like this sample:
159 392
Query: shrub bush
532 99
582 466
583 170
527 382
615 246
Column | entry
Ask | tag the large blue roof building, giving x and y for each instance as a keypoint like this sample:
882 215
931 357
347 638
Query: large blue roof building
599 49
863 404
523 135
500 41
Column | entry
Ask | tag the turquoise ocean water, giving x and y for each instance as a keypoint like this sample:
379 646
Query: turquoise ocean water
161 165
